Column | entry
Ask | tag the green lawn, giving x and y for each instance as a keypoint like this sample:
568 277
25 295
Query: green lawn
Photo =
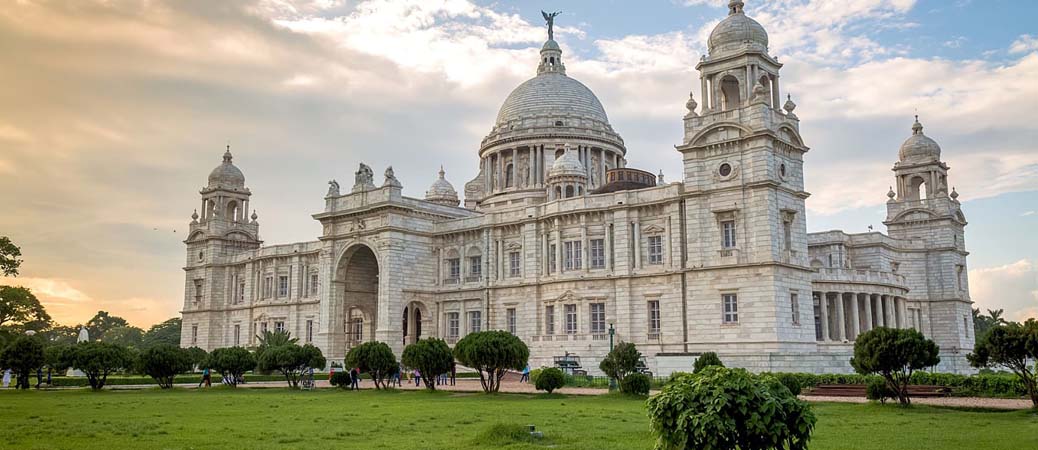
278 418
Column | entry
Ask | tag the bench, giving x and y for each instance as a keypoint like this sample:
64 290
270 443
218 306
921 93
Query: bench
858 390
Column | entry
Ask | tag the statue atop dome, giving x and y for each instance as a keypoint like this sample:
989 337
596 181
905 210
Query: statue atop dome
550 19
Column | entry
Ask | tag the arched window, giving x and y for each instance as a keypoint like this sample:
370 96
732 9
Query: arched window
730 93
509 178
558 192
917 188
231 213
569 191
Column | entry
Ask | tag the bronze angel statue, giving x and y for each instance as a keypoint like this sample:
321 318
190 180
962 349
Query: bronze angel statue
550 18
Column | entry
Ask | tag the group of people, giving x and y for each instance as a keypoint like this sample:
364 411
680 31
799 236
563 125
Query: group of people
398 376
8 375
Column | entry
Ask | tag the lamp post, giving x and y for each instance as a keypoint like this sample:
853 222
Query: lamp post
612 332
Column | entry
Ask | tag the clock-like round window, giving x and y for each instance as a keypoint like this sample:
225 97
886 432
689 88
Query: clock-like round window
725 169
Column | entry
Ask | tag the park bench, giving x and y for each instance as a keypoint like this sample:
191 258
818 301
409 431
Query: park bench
858 390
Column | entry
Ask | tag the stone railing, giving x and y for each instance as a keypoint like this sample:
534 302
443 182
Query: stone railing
859 276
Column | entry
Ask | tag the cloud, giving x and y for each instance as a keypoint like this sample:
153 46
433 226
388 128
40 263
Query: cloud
1028 213
1013 287
1024 44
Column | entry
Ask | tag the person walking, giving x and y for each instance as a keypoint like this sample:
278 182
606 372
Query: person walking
526 375
39 377
206 378
355 379
454 371
7 377
417 378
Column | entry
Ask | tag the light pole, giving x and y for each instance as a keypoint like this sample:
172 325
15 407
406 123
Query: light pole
612 332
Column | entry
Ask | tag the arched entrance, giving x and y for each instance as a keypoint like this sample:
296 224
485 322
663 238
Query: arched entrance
412 322
358 272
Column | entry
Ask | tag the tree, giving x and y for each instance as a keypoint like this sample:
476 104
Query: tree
431 356
198 356
894 354
23 356
982 323
61 334
706 360
167 332
291 360
1014 347
232 363
163 362
376 359
727 409
98 360
274 339
550 379
492 353
18 305
58 357
621 361
102 322
126 336
9 254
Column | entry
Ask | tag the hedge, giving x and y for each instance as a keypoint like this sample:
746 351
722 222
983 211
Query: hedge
180 379
1001 385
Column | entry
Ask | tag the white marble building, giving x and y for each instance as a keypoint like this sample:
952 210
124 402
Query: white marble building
557 241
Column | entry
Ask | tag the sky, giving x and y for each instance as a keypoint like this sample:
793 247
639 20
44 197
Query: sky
112 114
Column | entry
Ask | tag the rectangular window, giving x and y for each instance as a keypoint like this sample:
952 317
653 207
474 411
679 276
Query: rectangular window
476 267
356 329
283 286
598 318
194 334
597 253
475 321
549 319
552 256
454 268
510 320
794 306
572 254
309 331
237 335
654 318
241 292
655 249
198 290
728 233
513 264
263 327
571 319
452 325
787 234
314 285
268 286
279 327
731 308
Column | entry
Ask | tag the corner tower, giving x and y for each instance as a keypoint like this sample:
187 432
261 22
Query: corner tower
743 174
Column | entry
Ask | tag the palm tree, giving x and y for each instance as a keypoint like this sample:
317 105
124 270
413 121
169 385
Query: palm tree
275 338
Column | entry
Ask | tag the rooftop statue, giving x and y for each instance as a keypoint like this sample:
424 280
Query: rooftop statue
550 18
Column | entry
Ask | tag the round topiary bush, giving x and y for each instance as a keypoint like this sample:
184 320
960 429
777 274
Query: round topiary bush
550 379
877 390
706 360
340 379
635 384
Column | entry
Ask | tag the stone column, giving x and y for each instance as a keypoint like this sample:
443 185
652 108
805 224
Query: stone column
703 98
558 246
544 253
855 318
888 316
824 303
868 311
903 312
775 96
609 245
602 167
749 83
637 245
841 319
585 263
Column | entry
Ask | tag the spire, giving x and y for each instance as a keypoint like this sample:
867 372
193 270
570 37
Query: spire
227 157
917 128
735 7
442 173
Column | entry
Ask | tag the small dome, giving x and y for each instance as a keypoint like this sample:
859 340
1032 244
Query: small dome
567 165
550 44
442 191
227 175
919 147
737 32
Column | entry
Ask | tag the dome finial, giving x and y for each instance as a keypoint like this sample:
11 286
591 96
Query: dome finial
227 157
735 7
442 173
917 128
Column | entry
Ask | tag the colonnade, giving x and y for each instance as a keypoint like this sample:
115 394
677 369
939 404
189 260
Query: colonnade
842 316
536 161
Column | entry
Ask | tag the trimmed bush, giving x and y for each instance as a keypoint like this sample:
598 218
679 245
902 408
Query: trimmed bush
23 356
163 362
491 353
376 359
706 360
791 381
621 361
341 379
291 360
232 363
549 379
431 356
894 354
635 384
877 390
98 360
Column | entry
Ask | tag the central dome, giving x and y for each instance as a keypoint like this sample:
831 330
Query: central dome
553 94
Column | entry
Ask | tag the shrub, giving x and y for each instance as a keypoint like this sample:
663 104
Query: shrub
233 362
291 360
725 409
549 380
57 357
877 390
431 356
163 362
791 381
1014 347
706 360
24 355
341 379
491 353
375 358
675 376
621 361
98 360
635 384
534 374
198 356
894 354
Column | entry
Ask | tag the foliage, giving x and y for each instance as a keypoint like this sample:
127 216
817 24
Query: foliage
1014 347
274 339
877 390
167 332
163 362
894 354
198 356
635 384
101 323
548 379
98 360
492 353
674 376
375 358
341 379
706 360
9 254
119 380
23 356
126 336
291 360
57 357
721 409
982 324
61 334
431 356
621 361
790 381
18 305
231 363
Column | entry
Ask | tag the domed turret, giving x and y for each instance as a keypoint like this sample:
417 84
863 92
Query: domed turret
567 177
919 148
442 192
737 32
227 175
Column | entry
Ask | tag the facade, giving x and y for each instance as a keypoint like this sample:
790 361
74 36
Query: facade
558 242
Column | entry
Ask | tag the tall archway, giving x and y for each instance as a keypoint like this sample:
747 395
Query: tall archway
358 272
730 98
414 312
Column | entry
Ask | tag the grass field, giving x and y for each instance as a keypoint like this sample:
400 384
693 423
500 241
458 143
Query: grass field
278 418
